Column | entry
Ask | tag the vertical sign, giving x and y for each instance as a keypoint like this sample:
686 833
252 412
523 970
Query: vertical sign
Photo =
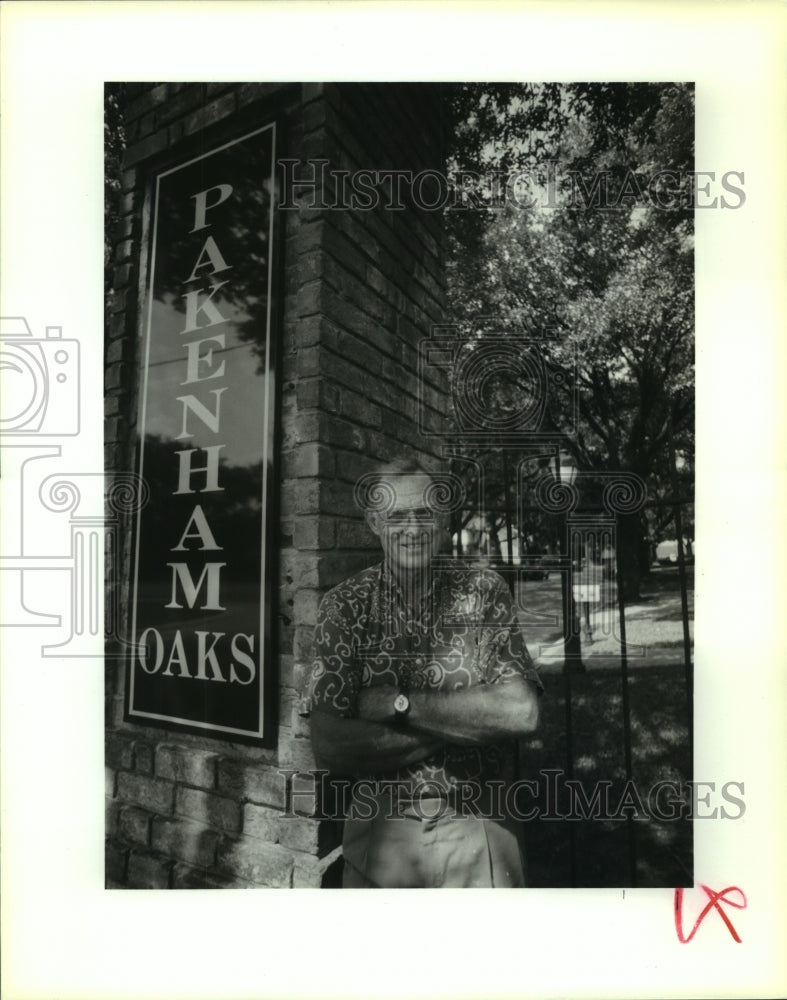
203 566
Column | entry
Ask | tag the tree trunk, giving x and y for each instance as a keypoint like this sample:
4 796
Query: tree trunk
644 555
494 541
629 561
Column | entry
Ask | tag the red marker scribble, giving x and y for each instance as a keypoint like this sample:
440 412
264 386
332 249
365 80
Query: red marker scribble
715 899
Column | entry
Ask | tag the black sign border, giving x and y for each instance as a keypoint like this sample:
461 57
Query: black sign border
243 127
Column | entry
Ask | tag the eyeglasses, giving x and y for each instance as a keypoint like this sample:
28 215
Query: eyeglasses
403 516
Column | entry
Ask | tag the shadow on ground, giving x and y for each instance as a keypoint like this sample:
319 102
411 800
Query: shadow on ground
637 833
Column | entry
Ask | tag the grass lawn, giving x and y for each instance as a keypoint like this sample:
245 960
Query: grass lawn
602 847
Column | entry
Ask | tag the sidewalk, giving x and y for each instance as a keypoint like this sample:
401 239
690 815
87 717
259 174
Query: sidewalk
654 628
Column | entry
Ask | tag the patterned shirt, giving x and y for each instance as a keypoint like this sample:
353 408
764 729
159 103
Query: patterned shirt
464 633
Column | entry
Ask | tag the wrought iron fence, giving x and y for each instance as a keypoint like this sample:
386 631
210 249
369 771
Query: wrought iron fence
589 564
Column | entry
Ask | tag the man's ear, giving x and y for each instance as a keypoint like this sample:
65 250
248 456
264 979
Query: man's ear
373 520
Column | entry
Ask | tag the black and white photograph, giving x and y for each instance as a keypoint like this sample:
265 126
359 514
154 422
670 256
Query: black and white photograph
391 437
400 385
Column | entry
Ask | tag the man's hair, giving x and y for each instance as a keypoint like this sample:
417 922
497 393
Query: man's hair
402 466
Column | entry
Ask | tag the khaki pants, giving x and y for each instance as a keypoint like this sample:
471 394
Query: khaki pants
418 851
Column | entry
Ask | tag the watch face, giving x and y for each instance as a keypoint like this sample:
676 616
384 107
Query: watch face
401 704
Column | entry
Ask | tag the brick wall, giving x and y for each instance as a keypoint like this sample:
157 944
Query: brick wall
361 288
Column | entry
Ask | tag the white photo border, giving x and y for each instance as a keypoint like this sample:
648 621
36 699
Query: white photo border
63 934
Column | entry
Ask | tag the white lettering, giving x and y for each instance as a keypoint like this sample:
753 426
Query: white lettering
182 573
194 307
211 250
212 469
244 658
205 654
211 420
143 653
177 655
202 532
194 359
201 205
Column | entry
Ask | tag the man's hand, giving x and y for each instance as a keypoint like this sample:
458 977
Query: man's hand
360 746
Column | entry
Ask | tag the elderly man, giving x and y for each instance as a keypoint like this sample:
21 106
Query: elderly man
421 684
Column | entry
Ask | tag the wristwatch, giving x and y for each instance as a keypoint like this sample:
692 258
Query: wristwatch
401 705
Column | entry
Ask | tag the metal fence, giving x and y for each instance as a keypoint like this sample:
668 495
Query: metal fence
594 616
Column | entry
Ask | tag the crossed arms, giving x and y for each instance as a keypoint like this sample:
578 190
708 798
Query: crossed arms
376 741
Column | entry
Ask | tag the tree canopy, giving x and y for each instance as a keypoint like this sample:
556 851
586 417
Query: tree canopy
582 238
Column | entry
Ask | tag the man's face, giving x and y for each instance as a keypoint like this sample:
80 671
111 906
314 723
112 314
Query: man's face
409 531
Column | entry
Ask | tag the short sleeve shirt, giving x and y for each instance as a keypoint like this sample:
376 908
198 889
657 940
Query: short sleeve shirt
464 633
